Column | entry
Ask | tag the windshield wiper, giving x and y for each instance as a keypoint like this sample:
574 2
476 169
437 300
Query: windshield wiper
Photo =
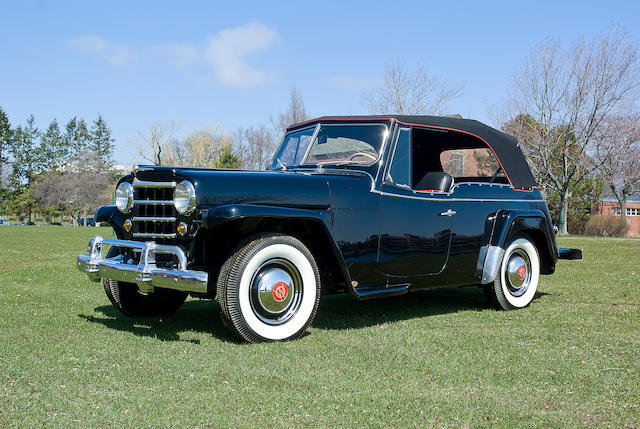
280 164
322 164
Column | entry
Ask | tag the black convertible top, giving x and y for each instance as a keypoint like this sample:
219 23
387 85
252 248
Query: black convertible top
504 146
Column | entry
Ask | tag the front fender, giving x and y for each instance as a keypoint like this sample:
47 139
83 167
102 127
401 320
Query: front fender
111 215
502 227
217 216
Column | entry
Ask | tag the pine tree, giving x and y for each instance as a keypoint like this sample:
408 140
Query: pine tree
100 141
53 146
6 137
28 162
226 158
76 137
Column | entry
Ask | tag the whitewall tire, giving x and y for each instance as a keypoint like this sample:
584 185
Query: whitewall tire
269 289
517 281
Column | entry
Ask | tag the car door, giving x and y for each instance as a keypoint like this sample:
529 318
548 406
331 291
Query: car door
415 227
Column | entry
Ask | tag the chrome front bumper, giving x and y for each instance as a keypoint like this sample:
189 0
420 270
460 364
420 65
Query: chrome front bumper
145 274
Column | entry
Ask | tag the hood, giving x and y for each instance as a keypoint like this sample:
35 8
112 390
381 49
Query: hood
303 188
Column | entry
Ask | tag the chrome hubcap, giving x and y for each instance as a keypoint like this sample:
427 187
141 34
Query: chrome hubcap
276 291
518 273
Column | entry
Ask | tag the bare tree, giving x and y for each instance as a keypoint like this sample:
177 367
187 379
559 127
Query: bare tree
411 92
78 190
156 141
210 147
256 146
618 154
295 113
560 99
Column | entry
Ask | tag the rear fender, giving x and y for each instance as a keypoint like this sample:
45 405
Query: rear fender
503 226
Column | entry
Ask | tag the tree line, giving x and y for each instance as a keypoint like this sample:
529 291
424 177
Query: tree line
213 146
61 170
68 170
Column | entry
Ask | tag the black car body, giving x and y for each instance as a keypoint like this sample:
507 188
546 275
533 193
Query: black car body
377 205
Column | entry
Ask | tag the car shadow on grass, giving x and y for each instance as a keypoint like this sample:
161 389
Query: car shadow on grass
343 312
197 316
336 312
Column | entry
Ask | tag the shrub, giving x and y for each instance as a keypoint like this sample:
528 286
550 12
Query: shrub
607 226
577 222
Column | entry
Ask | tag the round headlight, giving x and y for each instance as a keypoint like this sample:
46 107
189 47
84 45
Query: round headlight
184 197
124 197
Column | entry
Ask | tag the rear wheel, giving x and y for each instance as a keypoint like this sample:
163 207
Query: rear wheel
517 281
269 289
128 299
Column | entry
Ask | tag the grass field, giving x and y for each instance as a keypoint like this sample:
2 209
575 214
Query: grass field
439 358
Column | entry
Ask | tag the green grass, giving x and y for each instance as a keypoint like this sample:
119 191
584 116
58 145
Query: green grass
439 358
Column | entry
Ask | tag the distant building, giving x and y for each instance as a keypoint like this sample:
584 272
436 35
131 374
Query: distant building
609 206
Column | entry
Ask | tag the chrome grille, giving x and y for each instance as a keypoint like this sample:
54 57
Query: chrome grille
154 215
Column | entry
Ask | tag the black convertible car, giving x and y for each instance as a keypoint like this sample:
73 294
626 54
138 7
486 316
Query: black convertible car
373 206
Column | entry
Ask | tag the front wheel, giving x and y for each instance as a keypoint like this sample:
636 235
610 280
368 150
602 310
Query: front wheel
131 302
269 289
517 282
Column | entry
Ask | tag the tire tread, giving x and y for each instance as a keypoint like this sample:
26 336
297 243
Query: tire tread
231 273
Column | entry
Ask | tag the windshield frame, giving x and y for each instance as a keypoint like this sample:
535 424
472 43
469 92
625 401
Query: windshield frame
314 137
278 151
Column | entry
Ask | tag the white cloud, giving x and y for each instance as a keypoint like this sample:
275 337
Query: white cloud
114 54
227 53
180 54
354 82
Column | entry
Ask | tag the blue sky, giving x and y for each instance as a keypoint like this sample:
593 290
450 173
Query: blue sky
234 63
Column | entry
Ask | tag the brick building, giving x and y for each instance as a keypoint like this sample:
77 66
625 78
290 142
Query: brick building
610 206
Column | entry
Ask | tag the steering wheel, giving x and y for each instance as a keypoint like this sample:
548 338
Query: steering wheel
368 155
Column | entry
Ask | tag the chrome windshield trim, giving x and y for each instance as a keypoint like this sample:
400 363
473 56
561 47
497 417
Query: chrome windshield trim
356 124
313 137
277 153
387 168
154 202
147 184
153 219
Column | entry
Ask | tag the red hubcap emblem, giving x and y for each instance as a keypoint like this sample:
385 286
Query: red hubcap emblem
522 272
279 291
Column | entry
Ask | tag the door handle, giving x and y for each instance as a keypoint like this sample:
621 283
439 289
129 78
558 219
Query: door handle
448 213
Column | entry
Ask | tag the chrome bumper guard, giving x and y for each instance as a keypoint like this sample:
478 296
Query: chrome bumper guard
145 274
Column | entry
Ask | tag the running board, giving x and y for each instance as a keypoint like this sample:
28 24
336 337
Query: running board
379 291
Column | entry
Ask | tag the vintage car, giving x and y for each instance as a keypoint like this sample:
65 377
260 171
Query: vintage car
373 206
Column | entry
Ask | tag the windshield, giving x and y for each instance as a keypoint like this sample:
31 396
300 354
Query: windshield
334 144
293 148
